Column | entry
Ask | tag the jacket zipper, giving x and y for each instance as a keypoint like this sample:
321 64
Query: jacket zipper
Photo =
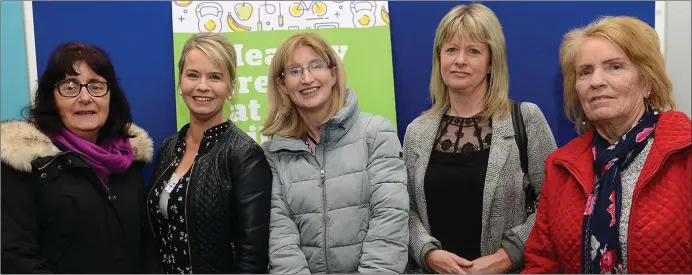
187 221
324 203
324 215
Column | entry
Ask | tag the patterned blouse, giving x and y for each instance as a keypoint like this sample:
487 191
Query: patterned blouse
463 134
169 192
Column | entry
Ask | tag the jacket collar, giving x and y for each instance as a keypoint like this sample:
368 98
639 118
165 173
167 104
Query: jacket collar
23 143
209 138
672 134
330 132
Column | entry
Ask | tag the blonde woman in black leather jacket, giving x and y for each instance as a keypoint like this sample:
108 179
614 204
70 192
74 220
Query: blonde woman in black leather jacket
210 200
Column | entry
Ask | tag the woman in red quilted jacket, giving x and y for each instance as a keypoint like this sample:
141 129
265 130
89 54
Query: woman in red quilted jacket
618 198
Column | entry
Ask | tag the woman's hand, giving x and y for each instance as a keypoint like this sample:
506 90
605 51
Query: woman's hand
498 263
444 262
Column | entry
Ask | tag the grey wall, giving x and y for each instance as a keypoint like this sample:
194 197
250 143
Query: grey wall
676 48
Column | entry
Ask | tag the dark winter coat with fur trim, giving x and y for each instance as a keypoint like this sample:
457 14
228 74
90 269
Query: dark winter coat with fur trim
58 217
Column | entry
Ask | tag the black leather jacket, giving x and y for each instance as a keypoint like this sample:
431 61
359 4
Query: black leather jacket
227 203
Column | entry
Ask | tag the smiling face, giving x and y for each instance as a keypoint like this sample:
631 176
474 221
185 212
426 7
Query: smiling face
608 84
308 80
464 64
203 85
84 114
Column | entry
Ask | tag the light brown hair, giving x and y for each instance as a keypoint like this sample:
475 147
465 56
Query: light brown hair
641 45
283 117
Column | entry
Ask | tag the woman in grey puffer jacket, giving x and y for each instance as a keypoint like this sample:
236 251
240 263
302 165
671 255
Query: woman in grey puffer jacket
339 198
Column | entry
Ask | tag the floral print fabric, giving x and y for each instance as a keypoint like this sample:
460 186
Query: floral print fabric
601 251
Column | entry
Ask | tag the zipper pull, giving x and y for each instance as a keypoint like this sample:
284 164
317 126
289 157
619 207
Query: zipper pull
321 178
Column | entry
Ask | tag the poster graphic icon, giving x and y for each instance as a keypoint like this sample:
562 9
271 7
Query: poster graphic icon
209 17
357 30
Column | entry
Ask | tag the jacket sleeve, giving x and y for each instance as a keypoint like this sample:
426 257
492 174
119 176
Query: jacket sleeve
540 254
251 192
420 241
285 254
385 248
20 249
541 143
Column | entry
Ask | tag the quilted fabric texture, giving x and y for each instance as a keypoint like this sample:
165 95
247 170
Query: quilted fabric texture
229 203
660 226
345 209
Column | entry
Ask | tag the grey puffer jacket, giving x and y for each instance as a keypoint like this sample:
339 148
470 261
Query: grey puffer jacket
344 209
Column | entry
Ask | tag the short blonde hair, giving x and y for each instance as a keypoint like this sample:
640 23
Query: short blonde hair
477 23
283 117
638 41
218 49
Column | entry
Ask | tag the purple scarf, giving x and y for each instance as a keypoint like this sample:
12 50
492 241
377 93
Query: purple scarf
111 155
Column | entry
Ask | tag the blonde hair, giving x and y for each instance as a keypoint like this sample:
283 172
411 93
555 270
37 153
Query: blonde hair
641 45
477 23
218 49
283 117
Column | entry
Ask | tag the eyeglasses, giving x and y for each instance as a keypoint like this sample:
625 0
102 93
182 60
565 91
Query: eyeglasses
71 88
314 67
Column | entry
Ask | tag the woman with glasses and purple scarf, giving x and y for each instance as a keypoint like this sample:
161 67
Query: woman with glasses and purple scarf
72 184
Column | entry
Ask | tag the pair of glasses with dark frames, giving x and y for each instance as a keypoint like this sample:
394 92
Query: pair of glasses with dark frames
72 88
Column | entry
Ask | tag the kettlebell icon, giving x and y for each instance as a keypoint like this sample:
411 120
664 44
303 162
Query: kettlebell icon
363 13
209 15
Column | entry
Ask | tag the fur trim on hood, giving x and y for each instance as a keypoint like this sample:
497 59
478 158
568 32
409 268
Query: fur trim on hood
21 143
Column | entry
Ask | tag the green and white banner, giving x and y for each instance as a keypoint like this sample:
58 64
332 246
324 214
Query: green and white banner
357 30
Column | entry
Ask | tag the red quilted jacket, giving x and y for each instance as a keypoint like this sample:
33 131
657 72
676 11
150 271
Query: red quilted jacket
660 227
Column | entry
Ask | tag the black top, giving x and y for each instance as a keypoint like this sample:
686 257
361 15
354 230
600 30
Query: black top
454 183
172 231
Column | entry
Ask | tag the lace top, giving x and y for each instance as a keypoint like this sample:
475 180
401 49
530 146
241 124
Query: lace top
463 134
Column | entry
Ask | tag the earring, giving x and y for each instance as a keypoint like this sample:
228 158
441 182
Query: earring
648 94
181 93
